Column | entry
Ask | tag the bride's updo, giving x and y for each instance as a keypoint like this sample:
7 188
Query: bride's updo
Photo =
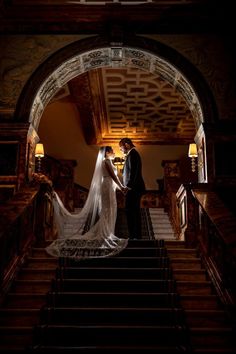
108 149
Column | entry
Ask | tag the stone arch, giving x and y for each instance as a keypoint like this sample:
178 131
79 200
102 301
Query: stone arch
136 51
96 52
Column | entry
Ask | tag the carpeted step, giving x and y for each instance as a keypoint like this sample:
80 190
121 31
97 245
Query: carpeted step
116 285
143 252
117 349
114 272
145 243
111 335
112 315
119 261
95 299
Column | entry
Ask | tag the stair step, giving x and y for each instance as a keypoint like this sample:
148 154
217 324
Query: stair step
36 274
118 349
175 244
25 300
194 287
206 318
186 263
145 243
39 252
212 337
115 272
190 274
31 286
215 350
144 251
200 302
15 337
127 252
39 262
120 262
113 315
182 253
19 317
111 335
117 285
93 299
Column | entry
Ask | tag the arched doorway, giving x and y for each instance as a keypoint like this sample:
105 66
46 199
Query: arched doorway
136 52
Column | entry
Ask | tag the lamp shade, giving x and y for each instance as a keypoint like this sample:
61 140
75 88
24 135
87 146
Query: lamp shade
192 151
117 161
39 150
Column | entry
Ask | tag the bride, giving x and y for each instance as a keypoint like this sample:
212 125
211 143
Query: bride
90 233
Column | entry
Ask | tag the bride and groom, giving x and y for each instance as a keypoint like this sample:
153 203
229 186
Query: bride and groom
90 233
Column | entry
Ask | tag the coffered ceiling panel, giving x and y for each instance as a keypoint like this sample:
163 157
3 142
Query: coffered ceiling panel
128 102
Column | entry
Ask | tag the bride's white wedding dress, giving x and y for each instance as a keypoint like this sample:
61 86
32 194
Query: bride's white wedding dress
89 233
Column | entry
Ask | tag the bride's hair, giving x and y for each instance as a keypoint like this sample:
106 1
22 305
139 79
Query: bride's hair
108 149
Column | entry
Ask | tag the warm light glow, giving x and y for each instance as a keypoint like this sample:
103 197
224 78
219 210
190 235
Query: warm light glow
192 152
118 161
39 150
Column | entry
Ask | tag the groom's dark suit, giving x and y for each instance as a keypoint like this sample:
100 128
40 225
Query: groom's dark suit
132 178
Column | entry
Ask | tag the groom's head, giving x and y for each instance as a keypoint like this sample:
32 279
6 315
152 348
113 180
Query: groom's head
125 145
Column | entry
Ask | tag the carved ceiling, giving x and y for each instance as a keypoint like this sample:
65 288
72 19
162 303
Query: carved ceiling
117 102
122 101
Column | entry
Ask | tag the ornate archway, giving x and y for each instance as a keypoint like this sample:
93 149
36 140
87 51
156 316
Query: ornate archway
98 52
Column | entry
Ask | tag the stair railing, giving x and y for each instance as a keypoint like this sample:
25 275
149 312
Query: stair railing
208 225
24 219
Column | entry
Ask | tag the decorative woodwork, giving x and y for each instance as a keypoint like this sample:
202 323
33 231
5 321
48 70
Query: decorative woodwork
13 158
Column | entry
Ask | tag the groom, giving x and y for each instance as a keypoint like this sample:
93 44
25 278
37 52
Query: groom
134 187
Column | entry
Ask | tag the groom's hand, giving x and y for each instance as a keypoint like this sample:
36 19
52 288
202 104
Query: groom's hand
125 190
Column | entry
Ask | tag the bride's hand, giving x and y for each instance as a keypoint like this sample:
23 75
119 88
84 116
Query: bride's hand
124 189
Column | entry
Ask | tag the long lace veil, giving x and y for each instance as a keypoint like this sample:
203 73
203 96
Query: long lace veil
87 233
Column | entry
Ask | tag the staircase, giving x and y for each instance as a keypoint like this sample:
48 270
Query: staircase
210 326
123 303
161 225
153 297
20 310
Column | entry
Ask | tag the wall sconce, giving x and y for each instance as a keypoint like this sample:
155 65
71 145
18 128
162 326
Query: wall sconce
192 153
39 153
118 162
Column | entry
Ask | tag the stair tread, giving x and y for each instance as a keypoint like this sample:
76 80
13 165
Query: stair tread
22 310
109 347
95 308
116 280
211 329
210 311
112 326
16 328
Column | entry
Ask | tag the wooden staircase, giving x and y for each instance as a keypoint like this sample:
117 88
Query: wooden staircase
123 303
20 310
154 297
210 327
